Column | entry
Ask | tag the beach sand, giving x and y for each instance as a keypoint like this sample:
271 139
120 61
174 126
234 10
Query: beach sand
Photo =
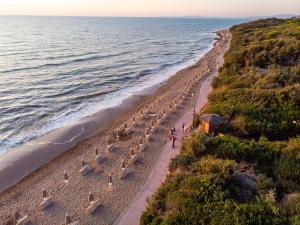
72 197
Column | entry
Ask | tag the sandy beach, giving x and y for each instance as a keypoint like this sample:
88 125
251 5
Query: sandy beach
134 211
72 197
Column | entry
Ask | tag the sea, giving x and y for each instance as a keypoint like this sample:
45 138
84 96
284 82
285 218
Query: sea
54 71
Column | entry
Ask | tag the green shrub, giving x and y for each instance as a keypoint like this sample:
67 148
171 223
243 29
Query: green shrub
182 161
195 143
258 84
200 201
146 218
213 167
272 34
293 205
257 213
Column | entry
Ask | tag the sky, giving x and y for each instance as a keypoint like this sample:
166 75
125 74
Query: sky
150 8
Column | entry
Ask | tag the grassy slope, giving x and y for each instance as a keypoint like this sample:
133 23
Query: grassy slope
258 89
258 93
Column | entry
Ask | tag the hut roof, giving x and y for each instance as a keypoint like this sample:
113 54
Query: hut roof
212 119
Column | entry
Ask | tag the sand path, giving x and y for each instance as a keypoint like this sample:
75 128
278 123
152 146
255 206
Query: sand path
134 211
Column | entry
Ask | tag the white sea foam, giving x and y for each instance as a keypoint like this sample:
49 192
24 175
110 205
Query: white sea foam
74 115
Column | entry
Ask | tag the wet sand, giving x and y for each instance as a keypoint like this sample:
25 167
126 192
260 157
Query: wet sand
18 163
72 197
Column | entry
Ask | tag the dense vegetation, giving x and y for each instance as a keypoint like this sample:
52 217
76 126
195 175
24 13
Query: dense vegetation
258 90
250 174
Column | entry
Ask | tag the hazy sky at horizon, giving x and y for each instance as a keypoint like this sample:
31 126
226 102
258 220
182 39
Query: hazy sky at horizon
214 8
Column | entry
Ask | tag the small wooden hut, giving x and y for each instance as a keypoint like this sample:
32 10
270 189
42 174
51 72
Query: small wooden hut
211 123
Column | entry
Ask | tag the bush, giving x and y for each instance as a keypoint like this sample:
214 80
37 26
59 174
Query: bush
293 205
200 201
195 143
257 213
258 84
182 161
146 218
213 167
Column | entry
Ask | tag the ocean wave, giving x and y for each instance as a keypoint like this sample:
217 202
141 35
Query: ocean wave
60 56
46 65
19 108
147 72
93 95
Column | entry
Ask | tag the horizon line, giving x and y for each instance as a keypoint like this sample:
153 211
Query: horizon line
192 16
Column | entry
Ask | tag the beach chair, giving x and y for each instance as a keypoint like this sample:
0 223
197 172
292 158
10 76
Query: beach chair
128 130
124 170
85 169
159 119
93 204
110 181
134 122
66 177
153 127
141 113
133 157
98 156
111 145
175 103
142 146
148 134
68 221
170 108
20 219
47 200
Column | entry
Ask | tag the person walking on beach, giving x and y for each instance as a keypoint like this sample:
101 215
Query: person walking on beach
183 127
173 141
171 132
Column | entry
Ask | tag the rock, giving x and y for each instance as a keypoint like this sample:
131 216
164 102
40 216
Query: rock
247 185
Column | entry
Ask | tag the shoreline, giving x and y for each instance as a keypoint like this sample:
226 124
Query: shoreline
26 194
42 150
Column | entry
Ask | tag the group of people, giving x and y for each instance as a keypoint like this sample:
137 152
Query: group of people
173 132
